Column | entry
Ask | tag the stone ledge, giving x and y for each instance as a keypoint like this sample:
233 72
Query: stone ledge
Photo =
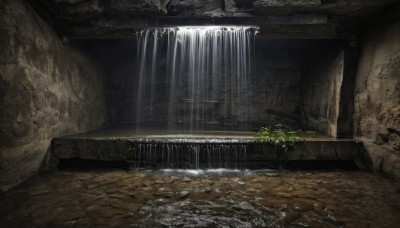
128 149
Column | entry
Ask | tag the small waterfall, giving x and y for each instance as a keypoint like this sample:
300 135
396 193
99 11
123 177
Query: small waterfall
194 77
190 155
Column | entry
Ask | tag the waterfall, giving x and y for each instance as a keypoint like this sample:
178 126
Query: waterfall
190 155
194 77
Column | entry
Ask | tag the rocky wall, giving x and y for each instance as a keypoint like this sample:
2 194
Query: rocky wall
321 82
47 89
377 96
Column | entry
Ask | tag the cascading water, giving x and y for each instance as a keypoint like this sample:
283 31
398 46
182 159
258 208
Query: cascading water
194 78
190 155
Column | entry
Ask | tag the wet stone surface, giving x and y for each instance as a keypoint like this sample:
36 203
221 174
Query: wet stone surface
171 199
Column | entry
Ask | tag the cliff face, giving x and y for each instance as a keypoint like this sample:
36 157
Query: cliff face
47 89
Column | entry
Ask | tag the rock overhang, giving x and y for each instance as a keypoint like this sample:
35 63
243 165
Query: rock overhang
298 19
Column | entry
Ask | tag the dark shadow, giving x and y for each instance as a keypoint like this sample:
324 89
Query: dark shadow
83 164
321 165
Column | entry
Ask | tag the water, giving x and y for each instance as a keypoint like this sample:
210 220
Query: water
154 199
189 155
194 78
197 172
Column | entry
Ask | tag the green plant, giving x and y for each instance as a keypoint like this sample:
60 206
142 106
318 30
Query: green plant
283 139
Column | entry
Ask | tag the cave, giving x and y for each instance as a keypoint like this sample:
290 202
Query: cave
200 113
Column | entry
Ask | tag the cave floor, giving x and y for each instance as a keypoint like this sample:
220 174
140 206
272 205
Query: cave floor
118 198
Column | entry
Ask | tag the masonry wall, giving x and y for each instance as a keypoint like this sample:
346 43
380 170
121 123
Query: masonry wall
47 89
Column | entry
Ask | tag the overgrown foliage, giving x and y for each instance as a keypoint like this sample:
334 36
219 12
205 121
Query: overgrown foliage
283 139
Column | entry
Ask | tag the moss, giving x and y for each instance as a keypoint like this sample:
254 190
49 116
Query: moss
283 140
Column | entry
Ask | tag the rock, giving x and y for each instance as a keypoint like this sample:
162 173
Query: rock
173 178
193 7
383 159
271 175
377 96
241 183
291 216
207 189
186 179
140 8
164 192
141 175
145 209
184 194
47 89
103 14
159 181
303 206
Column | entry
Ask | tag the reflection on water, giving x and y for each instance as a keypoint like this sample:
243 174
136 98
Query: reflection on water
203 198
196 172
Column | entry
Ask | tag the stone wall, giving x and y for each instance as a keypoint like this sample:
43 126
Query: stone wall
47 89
321 82
275 88
377 96
273 94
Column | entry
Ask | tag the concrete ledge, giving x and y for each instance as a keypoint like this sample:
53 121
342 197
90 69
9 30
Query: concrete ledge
154 150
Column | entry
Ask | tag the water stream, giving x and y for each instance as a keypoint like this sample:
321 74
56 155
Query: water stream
190 155
196 76
172 199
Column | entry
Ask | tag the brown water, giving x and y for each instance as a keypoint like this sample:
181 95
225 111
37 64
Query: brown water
233 199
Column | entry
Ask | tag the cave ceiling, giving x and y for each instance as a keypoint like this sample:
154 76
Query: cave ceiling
315 19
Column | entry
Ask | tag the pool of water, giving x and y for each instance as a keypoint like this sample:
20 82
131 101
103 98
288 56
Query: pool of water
203 198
